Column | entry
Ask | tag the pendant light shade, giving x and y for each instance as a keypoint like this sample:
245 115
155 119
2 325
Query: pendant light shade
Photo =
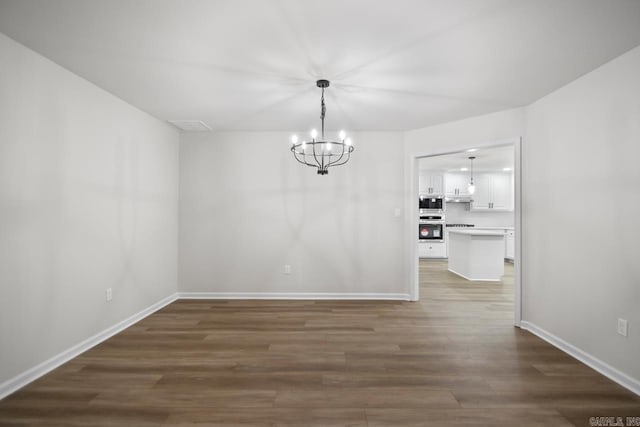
471 188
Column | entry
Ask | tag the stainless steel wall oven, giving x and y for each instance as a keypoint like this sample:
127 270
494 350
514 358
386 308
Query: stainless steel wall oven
431 228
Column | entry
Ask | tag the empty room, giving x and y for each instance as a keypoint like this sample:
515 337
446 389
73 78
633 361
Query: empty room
299 213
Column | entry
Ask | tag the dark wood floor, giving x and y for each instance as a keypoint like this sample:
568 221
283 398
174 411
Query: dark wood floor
452 359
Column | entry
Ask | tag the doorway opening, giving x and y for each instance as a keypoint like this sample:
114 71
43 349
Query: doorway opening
465 230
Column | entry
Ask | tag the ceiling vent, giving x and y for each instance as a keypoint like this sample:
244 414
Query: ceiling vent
191 125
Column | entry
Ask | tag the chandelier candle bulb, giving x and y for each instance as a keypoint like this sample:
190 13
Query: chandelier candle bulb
322 153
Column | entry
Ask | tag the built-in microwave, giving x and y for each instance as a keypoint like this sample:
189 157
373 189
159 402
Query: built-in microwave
431 203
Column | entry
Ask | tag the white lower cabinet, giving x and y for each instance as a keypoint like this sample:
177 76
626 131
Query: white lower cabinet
432 250
509 242
446 243
510 245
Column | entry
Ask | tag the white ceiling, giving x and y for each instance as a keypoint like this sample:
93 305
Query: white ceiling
486 159
394 65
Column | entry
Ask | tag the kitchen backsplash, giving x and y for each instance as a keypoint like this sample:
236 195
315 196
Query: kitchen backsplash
459 213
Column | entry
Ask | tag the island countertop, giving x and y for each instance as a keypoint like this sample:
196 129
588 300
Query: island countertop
471 232
494 228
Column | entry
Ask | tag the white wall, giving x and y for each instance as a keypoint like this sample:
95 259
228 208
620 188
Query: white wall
580 265
581 269
247 208
88 200
465 133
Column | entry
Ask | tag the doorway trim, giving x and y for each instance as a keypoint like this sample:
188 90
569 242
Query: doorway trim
411 207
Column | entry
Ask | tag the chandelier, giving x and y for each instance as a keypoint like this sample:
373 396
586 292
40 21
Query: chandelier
322 153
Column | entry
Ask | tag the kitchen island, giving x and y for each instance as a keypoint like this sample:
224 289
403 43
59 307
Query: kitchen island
477 254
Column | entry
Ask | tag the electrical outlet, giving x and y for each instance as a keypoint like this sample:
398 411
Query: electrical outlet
623 327
109 294
397 212
287 269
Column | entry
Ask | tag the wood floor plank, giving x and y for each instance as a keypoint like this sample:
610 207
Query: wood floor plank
244 417
453 358
505 417
367 397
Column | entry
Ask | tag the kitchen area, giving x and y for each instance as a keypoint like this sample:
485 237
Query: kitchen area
466 211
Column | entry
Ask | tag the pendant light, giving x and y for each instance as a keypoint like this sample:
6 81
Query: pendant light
472 187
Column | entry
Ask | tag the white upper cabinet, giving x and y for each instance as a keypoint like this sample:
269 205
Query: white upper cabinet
431 183
482 197
423 184
494 191
456 184
501 191
437 183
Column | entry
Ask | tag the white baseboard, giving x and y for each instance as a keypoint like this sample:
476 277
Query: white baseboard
608 371
293 296
473 280
21 380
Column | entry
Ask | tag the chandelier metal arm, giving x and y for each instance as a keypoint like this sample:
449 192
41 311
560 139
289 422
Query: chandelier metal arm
295 155
345 161
336 162
314 153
